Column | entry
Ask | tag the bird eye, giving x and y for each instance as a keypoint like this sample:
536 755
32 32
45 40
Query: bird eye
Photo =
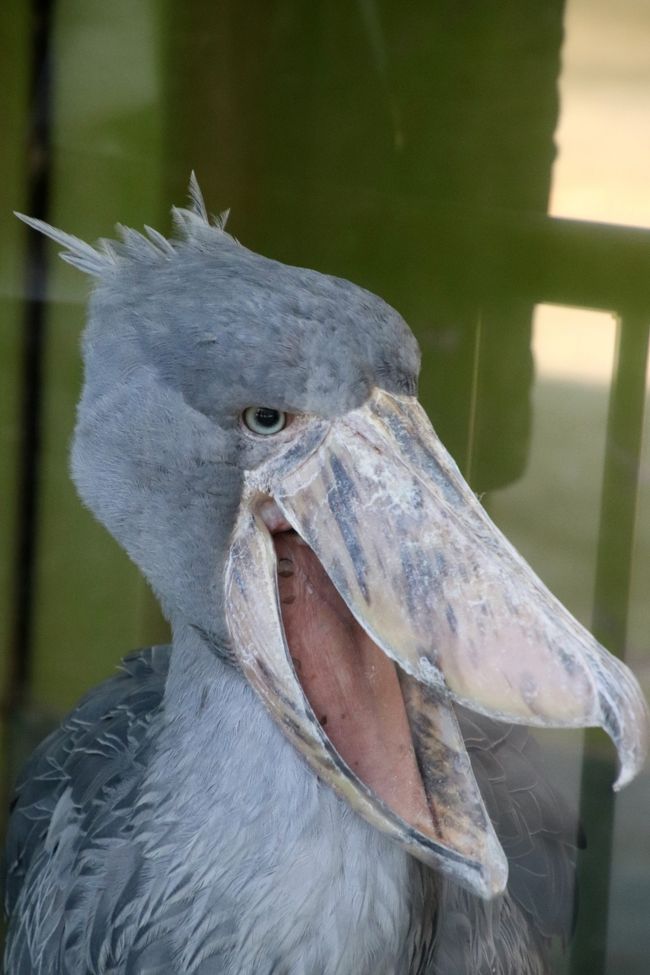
264 421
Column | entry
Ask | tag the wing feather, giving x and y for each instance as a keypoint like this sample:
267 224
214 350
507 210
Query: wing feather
75 795
512 934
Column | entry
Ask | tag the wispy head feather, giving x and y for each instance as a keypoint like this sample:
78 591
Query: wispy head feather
190 224
77 251
197 203
197 206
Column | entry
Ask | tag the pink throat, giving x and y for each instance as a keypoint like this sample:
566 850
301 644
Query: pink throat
352 687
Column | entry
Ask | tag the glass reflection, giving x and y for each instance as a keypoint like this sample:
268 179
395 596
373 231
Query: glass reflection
411 148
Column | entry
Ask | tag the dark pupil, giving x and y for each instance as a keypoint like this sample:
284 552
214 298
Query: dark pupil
267 418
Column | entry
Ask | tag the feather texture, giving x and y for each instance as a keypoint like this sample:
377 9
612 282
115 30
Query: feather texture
85 896
190 224
170 826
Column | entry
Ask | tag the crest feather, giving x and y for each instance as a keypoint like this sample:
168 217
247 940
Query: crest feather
186 222
164 245
140 247
77 252
197 203
190 224
221 221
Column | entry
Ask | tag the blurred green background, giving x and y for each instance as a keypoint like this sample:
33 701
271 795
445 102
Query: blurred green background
485 168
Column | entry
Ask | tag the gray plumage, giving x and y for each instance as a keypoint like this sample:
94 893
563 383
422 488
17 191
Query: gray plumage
169 826
113 872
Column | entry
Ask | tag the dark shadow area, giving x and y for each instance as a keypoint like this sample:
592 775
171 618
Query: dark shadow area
379 141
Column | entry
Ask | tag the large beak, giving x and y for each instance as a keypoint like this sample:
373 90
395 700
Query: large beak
393 597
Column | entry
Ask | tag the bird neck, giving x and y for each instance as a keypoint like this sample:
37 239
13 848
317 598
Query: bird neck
215 730
279 848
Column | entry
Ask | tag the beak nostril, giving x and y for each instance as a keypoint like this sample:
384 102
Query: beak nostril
285 568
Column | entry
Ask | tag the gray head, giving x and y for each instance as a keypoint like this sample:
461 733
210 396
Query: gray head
327 545
183 336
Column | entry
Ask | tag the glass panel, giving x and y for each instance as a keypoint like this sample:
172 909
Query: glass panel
107 137
412 149
604 133
551 513
629 941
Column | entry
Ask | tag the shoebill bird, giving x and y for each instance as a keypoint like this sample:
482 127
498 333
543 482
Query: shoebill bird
328 770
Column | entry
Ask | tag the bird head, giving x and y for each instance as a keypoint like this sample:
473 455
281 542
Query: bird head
250 433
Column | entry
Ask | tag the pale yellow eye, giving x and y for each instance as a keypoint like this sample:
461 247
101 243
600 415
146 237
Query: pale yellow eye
264 421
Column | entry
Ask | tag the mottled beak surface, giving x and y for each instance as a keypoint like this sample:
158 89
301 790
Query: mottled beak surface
367 591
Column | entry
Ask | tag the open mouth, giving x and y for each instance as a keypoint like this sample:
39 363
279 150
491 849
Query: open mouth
353 688
389 745
367 592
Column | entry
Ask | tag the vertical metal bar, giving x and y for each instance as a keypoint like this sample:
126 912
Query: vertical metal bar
38 167
611 599
20 626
